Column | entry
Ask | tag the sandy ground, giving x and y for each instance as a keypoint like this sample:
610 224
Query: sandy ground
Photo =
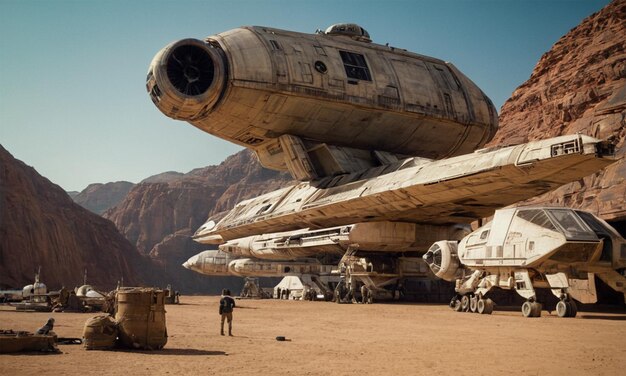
347 339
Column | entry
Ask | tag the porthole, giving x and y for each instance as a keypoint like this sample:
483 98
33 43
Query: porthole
320 67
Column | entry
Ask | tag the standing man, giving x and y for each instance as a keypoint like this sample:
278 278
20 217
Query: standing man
226 311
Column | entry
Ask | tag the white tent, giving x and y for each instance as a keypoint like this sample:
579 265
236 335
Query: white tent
293 284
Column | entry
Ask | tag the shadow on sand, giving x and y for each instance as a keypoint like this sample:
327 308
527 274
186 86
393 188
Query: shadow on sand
603 317
170 351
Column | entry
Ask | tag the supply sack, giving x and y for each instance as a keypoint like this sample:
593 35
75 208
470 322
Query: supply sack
100 333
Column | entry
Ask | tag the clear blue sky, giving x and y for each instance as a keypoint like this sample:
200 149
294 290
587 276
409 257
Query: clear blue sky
72 73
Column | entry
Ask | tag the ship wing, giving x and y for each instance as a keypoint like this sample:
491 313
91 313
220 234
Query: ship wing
454 190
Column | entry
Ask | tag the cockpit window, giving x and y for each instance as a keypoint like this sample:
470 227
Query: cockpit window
537 217
484 234
573 227
598 227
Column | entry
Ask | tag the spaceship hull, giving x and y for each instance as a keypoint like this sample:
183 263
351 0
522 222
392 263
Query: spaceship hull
454 190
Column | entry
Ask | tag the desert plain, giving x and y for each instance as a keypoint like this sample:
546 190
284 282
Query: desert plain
325 338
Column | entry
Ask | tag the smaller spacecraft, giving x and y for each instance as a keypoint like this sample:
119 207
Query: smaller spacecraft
532 247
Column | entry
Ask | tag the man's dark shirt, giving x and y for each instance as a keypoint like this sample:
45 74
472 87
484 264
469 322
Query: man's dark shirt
226 304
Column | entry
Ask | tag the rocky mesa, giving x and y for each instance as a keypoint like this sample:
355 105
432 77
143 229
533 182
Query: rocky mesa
99 197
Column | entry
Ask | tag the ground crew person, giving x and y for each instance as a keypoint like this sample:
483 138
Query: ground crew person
64 295
364 293
226 311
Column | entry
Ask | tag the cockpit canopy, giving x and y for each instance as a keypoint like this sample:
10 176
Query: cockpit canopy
565 221
351 30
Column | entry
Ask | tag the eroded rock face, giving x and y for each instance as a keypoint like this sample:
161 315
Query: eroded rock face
40 225
579 86
98 197
153 211
160 217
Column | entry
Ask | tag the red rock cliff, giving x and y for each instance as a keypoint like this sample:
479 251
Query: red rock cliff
578 86
40 225
160 217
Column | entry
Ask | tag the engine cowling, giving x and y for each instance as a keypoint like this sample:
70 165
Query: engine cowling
443 259
186 78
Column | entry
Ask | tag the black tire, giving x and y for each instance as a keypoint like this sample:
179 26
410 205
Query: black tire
572 308
485 306
489 306
456 306
536 307
453 302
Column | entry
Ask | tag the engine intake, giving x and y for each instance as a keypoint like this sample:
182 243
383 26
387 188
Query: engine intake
187 78
443 260
190 69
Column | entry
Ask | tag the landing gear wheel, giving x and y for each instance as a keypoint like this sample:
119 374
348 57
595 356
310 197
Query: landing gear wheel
561 309
536 309
566 309
455 304
453 301
465 303
531 309
485 306
474 304
573 309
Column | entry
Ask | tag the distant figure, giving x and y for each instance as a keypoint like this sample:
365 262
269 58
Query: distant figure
63 296
74 303
364 293
46 328
278 293
226 311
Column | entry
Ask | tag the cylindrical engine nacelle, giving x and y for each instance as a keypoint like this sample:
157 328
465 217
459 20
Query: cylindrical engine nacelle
251 85
210 263
443 260
242 247
186 79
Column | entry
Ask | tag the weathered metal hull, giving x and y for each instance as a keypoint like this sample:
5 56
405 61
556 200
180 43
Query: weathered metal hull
217 263
526 248
253 85
454 190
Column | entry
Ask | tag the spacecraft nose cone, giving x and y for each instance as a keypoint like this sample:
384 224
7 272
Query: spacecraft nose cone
191 263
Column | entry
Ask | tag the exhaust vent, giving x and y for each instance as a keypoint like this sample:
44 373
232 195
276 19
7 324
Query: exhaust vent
190 70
